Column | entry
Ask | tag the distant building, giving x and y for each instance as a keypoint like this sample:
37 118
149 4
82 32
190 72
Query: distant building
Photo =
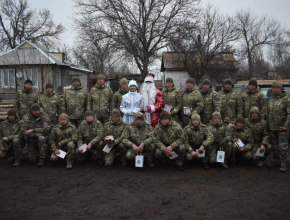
30 60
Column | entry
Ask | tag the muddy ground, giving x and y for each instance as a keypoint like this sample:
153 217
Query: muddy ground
93 192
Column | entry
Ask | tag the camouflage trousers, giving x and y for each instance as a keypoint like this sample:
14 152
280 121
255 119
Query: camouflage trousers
37 148
96 151
70 149
279 142
150 150
243 156
180 151
256 159
110 157
211 157
12 148
76 122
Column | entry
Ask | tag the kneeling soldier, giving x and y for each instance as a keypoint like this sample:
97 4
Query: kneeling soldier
220 133
10 138
115 128
35 126
63 136
90 132
137 136
168 136
240 131
259 129
198 138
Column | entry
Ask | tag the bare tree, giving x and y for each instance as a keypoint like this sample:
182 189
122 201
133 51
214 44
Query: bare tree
140 27
19 22
204 42
256 32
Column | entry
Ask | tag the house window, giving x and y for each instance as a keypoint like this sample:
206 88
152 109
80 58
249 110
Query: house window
58 78
32 74
8 78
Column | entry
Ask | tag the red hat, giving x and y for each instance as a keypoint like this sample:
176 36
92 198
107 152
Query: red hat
149 78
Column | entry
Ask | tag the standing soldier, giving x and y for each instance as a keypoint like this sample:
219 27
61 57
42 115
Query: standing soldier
231 103
24 99
90 132
11 140
240 132
211 101
35 127
253 97
76 101
168 136
222 140
137 136
101 100
198 137
191 99
63 136
115 128
117 97
279 119
259 128
172 98
51 104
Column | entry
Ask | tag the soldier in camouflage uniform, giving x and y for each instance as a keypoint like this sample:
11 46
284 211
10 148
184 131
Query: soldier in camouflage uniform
63 136
101 100
278 120
137 136
172 98
168 136
222 141
259 128
231 103
211 101
91 132
115 128
117 97
35 128
11 140
198 137
240 131
51 104
76 101
24 99
191 98
253 97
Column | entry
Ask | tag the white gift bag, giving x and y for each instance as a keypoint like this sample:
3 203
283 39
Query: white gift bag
259 154
200 155
220 157
139 161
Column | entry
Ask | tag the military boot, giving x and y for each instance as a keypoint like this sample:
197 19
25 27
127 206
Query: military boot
16 163
40 163
283 168
225 166
206 166
260 164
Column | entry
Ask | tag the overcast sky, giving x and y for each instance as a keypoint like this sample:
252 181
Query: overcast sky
279 9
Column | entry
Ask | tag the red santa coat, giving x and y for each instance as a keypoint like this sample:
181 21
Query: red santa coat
156 110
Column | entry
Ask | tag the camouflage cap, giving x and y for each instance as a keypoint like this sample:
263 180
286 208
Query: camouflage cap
89 113
170 80
77 79
116 113
139 115
254 109
228 82
123 81
63 116
216 115
190 80
277 84
35 107
11 112
195 117
100 76
206 82
164 115
48 85
240 119
253 82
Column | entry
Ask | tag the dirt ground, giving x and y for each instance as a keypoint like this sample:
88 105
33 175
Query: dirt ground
89 191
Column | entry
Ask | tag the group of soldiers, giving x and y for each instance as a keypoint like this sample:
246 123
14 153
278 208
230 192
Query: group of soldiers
216 121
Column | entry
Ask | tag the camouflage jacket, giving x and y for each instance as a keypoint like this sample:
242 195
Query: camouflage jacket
40 125
62 135
253 98
90 133
219 131
137 135
171 135
259 129
231 105
23 101
117 99
52 105
244 134
76 101
101 100
172 97
279 112
115 129
212 103
11 130
197 136
192 99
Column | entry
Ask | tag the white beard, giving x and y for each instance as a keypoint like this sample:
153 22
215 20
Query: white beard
148 92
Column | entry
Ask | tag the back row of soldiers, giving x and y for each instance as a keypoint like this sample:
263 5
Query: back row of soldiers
216 120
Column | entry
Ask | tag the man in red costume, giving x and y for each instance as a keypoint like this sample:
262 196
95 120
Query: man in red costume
152 101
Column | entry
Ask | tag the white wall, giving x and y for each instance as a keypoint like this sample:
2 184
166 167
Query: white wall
179 78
